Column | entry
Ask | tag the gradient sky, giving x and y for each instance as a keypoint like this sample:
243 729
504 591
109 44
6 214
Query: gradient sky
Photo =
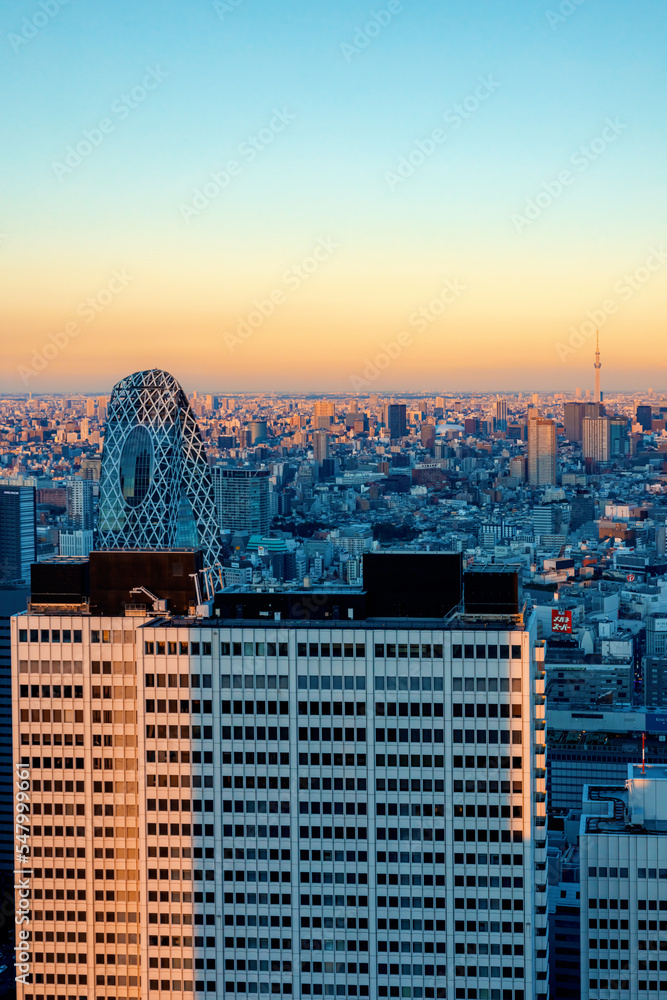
357 113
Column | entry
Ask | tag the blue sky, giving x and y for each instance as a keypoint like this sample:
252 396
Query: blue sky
356 114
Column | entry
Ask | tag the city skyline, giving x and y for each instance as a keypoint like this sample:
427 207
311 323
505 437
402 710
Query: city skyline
483 183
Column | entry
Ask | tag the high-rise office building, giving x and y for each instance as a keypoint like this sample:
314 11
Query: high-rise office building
518 468
397 420
645 416
324 413
80 510
155 486
619 442
623 844
541 452
500 414
320 446
596 439
428 435
242 499
573 418
311 794
574 414
258 431
18 533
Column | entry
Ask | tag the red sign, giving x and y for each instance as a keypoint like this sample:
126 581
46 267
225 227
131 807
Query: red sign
630 578
561 621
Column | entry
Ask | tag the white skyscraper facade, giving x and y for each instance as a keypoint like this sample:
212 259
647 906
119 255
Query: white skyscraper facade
623 843
298 803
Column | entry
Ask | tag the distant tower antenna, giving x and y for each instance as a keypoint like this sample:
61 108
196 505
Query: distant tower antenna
597 367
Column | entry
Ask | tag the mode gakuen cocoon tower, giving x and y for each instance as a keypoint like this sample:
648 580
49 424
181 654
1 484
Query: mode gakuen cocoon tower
156 490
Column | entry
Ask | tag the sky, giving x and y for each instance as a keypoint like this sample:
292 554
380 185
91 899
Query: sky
349 196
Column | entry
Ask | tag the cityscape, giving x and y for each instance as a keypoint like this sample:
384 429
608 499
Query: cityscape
333 501
306 571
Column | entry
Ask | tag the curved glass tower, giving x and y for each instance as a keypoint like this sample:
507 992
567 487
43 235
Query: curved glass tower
156 490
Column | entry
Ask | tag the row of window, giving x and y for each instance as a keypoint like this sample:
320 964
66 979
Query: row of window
267 708
49 667
409 683
177 874
411 809
394 879
68 763
409 760
491 837
174 852
326 649
480 711
487 763
482 811
172 829
487 736
329 833
481 651
404 650
404 969
179 680
57 831
349 784
54 635
177 941
469 785
161 648
105 667
252 832
176 985
173 707
163 732
44 739
337 759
